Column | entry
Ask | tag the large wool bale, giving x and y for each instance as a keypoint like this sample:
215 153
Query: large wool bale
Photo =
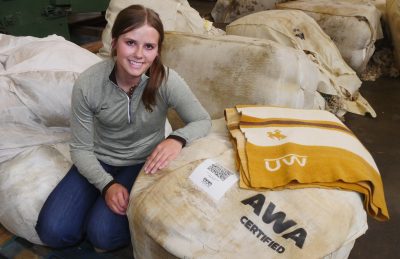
36 79
171 217
20 127
393 19
353 27
176 15
35 90
226 11
229 70
42 72
381 6
295 29
8 42
25 183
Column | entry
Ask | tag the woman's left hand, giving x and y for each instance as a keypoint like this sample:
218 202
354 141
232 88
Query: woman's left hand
164 153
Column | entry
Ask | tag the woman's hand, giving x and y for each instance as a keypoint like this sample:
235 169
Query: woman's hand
117 198
162 155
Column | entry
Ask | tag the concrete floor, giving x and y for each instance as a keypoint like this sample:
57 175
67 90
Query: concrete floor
381 136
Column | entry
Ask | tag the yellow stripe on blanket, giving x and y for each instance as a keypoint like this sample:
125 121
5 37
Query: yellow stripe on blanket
290 148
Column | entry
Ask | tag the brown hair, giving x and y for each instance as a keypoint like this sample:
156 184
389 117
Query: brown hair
131 18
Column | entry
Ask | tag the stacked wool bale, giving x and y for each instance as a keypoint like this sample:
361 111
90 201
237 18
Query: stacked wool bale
295 29
36 79
393 19
382 62
176 15
353 26
380 5
226 11
229 69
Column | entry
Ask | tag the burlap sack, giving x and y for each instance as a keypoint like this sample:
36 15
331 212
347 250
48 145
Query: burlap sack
295 29
171 217
353 27
176 15
226 11
393 19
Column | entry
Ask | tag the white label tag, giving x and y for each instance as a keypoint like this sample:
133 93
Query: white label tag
213 178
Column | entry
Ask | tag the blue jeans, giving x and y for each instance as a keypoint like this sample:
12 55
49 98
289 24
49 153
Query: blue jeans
75 209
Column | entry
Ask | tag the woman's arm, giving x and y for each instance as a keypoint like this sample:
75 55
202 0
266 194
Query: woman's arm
81 147
197 122
115 195
185 103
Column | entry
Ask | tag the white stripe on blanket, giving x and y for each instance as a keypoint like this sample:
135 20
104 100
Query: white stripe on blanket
308 136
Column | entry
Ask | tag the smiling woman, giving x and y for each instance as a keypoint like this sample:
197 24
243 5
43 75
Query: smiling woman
135 50
135 57
119 109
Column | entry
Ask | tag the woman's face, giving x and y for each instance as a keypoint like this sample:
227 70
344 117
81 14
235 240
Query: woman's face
136 51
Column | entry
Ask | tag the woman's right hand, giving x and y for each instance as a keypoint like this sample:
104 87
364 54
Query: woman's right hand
117 198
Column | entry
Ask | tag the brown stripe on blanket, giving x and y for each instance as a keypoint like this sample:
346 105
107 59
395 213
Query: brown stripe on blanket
279 122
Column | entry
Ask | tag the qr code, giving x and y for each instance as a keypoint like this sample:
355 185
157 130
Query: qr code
206 182
219 171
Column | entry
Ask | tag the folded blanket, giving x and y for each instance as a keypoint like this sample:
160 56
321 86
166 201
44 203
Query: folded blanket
291 148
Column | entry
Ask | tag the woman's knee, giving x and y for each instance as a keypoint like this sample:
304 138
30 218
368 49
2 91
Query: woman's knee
61 219
106 230
106 238
58 234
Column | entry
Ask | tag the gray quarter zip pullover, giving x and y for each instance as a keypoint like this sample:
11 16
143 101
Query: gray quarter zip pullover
106 125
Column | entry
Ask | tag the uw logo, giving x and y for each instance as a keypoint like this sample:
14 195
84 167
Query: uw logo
274 164
276 134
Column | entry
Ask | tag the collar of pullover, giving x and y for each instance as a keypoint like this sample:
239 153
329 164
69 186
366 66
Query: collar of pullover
113 77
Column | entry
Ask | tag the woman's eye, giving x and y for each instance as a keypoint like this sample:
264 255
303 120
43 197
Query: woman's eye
149 46
130 42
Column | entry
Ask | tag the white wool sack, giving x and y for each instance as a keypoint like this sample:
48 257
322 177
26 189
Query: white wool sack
20 127
35 90
393 19
25 183
47 94
171 217
379 4
52 53
8 42
223 71
353 27
295 29
176 15
226 11
42 73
